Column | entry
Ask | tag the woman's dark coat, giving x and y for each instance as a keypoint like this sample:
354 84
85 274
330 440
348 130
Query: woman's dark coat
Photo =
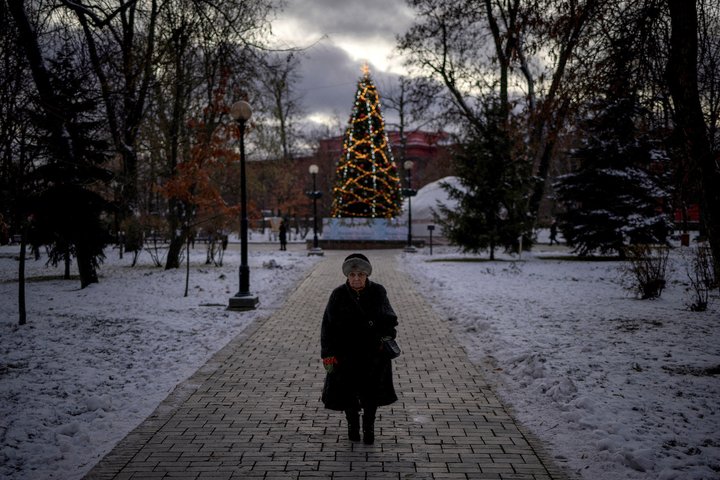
352 328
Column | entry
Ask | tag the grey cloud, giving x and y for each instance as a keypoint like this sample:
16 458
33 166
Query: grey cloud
345 17
329 74
329 80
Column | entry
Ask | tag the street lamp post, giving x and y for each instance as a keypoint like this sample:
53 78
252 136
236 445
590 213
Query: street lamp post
315 194
243 299
430 230
409 193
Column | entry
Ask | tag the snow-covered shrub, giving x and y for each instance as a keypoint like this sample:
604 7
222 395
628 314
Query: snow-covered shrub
156 237
702 279
131 237
645 269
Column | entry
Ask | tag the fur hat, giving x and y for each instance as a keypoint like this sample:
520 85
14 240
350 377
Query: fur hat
356 262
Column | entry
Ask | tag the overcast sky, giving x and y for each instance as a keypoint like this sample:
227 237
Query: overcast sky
342 35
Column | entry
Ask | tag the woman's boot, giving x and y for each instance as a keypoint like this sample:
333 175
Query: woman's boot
353 419
369 426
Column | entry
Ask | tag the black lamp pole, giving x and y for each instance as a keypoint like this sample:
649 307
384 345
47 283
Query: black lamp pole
243 299
409 193
315 250
315 239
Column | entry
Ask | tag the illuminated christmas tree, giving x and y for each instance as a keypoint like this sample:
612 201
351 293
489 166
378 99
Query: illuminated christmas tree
367 182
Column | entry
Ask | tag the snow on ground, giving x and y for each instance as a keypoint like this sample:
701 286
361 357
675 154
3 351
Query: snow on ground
618 388
91 364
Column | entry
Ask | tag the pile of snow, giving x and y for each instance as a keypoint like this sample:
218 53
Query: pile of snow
425 203
92 364
619 388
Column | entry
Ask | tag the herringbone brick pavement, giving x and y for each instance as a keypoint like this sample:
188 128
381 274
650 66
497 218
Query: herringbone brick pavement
254 410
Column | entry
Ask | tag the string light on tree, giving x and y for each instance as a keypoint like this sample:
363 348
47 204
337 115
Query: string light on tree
368 184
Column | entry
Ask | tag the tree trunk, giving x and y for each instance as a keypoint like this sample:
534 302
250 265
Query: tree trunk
187 268
66 259
174 249
88 274
177 234
129 197
689 121
21 282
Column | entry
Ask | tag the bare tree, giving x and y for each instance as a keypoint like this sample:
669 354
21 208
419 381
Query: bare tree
120 40
204 62
682 81
14 139
16 93
567 32
280 106
408 99
519 52
709 67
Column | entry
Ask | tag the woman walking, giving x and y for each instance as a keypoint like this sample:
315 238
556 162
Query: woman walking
357 319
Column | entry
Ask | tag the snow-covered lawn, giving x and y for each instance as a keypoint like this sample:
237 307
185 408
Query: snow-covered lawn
91 364
619 388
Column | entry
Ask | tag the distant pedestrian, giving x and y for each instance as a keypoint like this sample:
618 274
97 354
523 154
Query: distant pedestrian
553 232
283 235
357 318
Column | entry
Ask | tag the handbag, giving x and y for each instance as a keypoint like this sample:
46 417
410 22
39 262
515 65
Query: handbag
391 348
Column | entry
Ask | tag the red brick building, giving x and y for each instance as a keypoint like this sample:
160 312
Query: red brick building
280 186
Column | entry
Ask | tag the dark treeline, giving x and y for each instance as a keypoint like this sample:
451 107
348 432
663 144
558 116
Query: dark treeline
566 108
115 119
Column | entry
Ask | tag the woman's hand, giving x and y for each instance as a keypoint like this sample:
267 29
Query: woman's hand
329 364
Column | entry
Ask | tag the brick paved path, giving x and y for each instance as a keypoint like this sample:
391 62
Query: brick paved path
254 411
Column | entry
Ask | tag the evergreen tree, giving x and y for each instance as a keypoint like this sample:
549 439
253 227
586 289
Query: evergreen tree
67 208
491 196
616 195
367 182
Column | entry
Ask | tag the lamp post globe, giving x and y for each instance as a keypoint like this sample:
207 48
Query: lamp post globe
243 299
314 194
241 111
409 193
